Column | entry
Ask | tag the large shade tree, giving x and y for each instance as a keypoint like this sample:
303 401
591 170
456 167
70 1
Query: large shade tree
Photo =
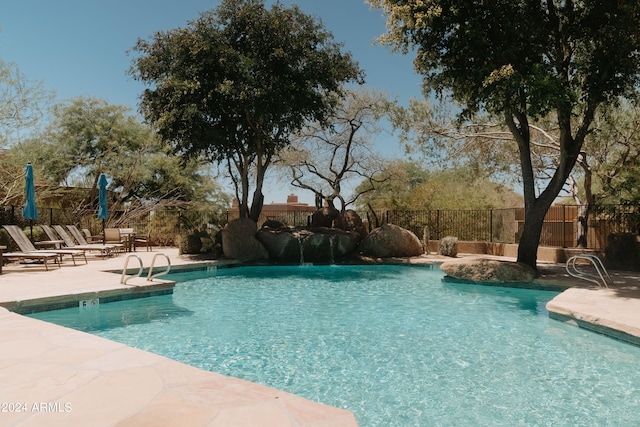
237 82
522 59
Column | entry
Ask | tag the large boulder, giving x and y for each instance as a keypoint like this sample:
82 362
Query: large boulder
482 270
391 241
324 217
325 245
319 245
283 244
349 220
239 241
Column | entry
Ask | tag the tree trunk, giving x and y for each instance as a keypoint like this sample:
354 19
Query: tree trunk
256 205
532 229
585 208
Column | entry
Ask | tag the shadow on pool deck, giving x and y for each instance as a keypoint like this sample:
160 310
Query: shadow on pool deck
79 377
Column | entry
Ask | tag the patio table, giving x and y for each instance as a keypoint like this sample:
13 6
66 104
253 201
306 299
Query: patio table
128 238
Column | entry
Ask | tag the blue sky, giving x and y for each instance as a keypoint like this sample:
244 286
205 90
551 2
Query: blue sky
79 47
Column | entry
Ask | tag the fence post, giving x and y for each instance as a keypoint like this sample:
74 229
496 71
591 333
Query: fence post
564 219
490 225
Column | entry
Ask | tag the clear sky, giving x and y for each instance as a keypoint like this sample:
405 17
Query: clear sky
79 47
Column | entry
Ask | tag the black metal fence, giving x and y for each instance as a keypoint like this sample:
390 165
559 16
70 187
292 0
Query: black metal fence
491 225
561 226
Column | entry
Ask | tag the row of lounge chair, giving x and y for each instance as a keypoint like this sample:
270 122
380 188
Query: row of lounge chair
74 249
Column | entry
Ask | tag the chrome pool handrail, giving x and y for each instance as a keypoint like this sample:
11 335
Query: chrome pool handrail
124 280
152 276
602 279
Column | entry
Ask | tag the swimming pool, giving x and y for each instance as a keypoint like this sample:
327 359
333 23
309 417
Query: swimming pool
393 344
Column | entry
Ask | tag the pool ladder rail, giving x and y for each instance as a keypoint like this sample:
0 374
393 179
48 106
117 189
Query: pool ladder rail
601 279
150 276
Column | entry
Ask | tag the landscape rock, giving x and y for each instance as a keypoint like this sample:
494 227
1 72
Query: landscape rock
391 241
324 217
239 241
349 220
282 244
318 245
482 270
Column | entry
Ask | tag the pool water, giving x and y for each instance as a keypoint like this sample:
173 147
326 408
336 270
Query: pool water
395 345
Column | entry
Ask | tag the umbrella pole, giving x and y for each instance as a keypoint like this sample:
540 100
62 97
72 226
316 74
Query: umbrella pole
104 236
31 228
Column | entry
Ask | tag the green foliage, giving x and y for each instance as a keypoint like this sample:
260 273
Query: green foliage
519 56
411 187
236 82
23 103
522 60
614 150
88 136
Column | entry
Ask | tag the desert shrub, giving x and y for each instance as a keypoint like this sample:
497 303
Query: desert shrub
448 246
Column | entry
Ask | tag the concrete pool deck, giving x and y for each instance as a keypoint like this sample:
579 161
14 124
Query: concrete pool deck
51 375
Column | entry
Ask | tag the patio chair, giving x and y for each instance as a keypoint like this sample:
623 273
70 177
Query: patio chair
105 250
112 236
26 246
77 234
145 240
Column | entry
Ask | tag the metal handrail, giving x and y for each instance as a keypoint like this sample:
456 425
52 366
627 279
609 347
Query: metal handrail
124 270
152 276
602 279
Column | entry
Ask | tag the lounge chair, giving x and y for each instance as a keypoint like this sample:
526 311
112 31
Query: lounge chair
37 255
104 250
90 238
26 246
77 234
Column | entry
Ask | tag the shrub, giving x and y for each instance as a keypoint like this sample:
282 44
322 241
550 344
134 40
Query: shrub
448 246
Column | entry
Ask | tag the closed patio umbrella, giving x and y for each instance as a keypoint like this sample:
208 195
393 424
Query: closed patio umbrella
30 210
103 209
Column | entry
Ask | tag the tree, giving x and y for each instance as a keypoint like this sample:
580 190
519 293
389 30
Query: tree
522 60
412 187
237 82
487 143
88 136
614 145
325 158
23 104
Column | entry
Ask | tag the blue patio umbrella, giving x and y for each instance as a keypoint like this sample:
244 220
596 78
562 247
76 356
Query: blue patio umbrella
30 210
103 209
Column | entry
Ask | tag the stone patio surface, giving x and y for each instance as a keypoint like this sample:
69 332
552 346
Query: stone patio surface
51 375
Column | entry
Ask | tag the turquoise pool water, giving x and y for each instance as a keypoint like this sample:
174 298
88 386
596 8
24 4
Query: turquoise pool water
394 344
